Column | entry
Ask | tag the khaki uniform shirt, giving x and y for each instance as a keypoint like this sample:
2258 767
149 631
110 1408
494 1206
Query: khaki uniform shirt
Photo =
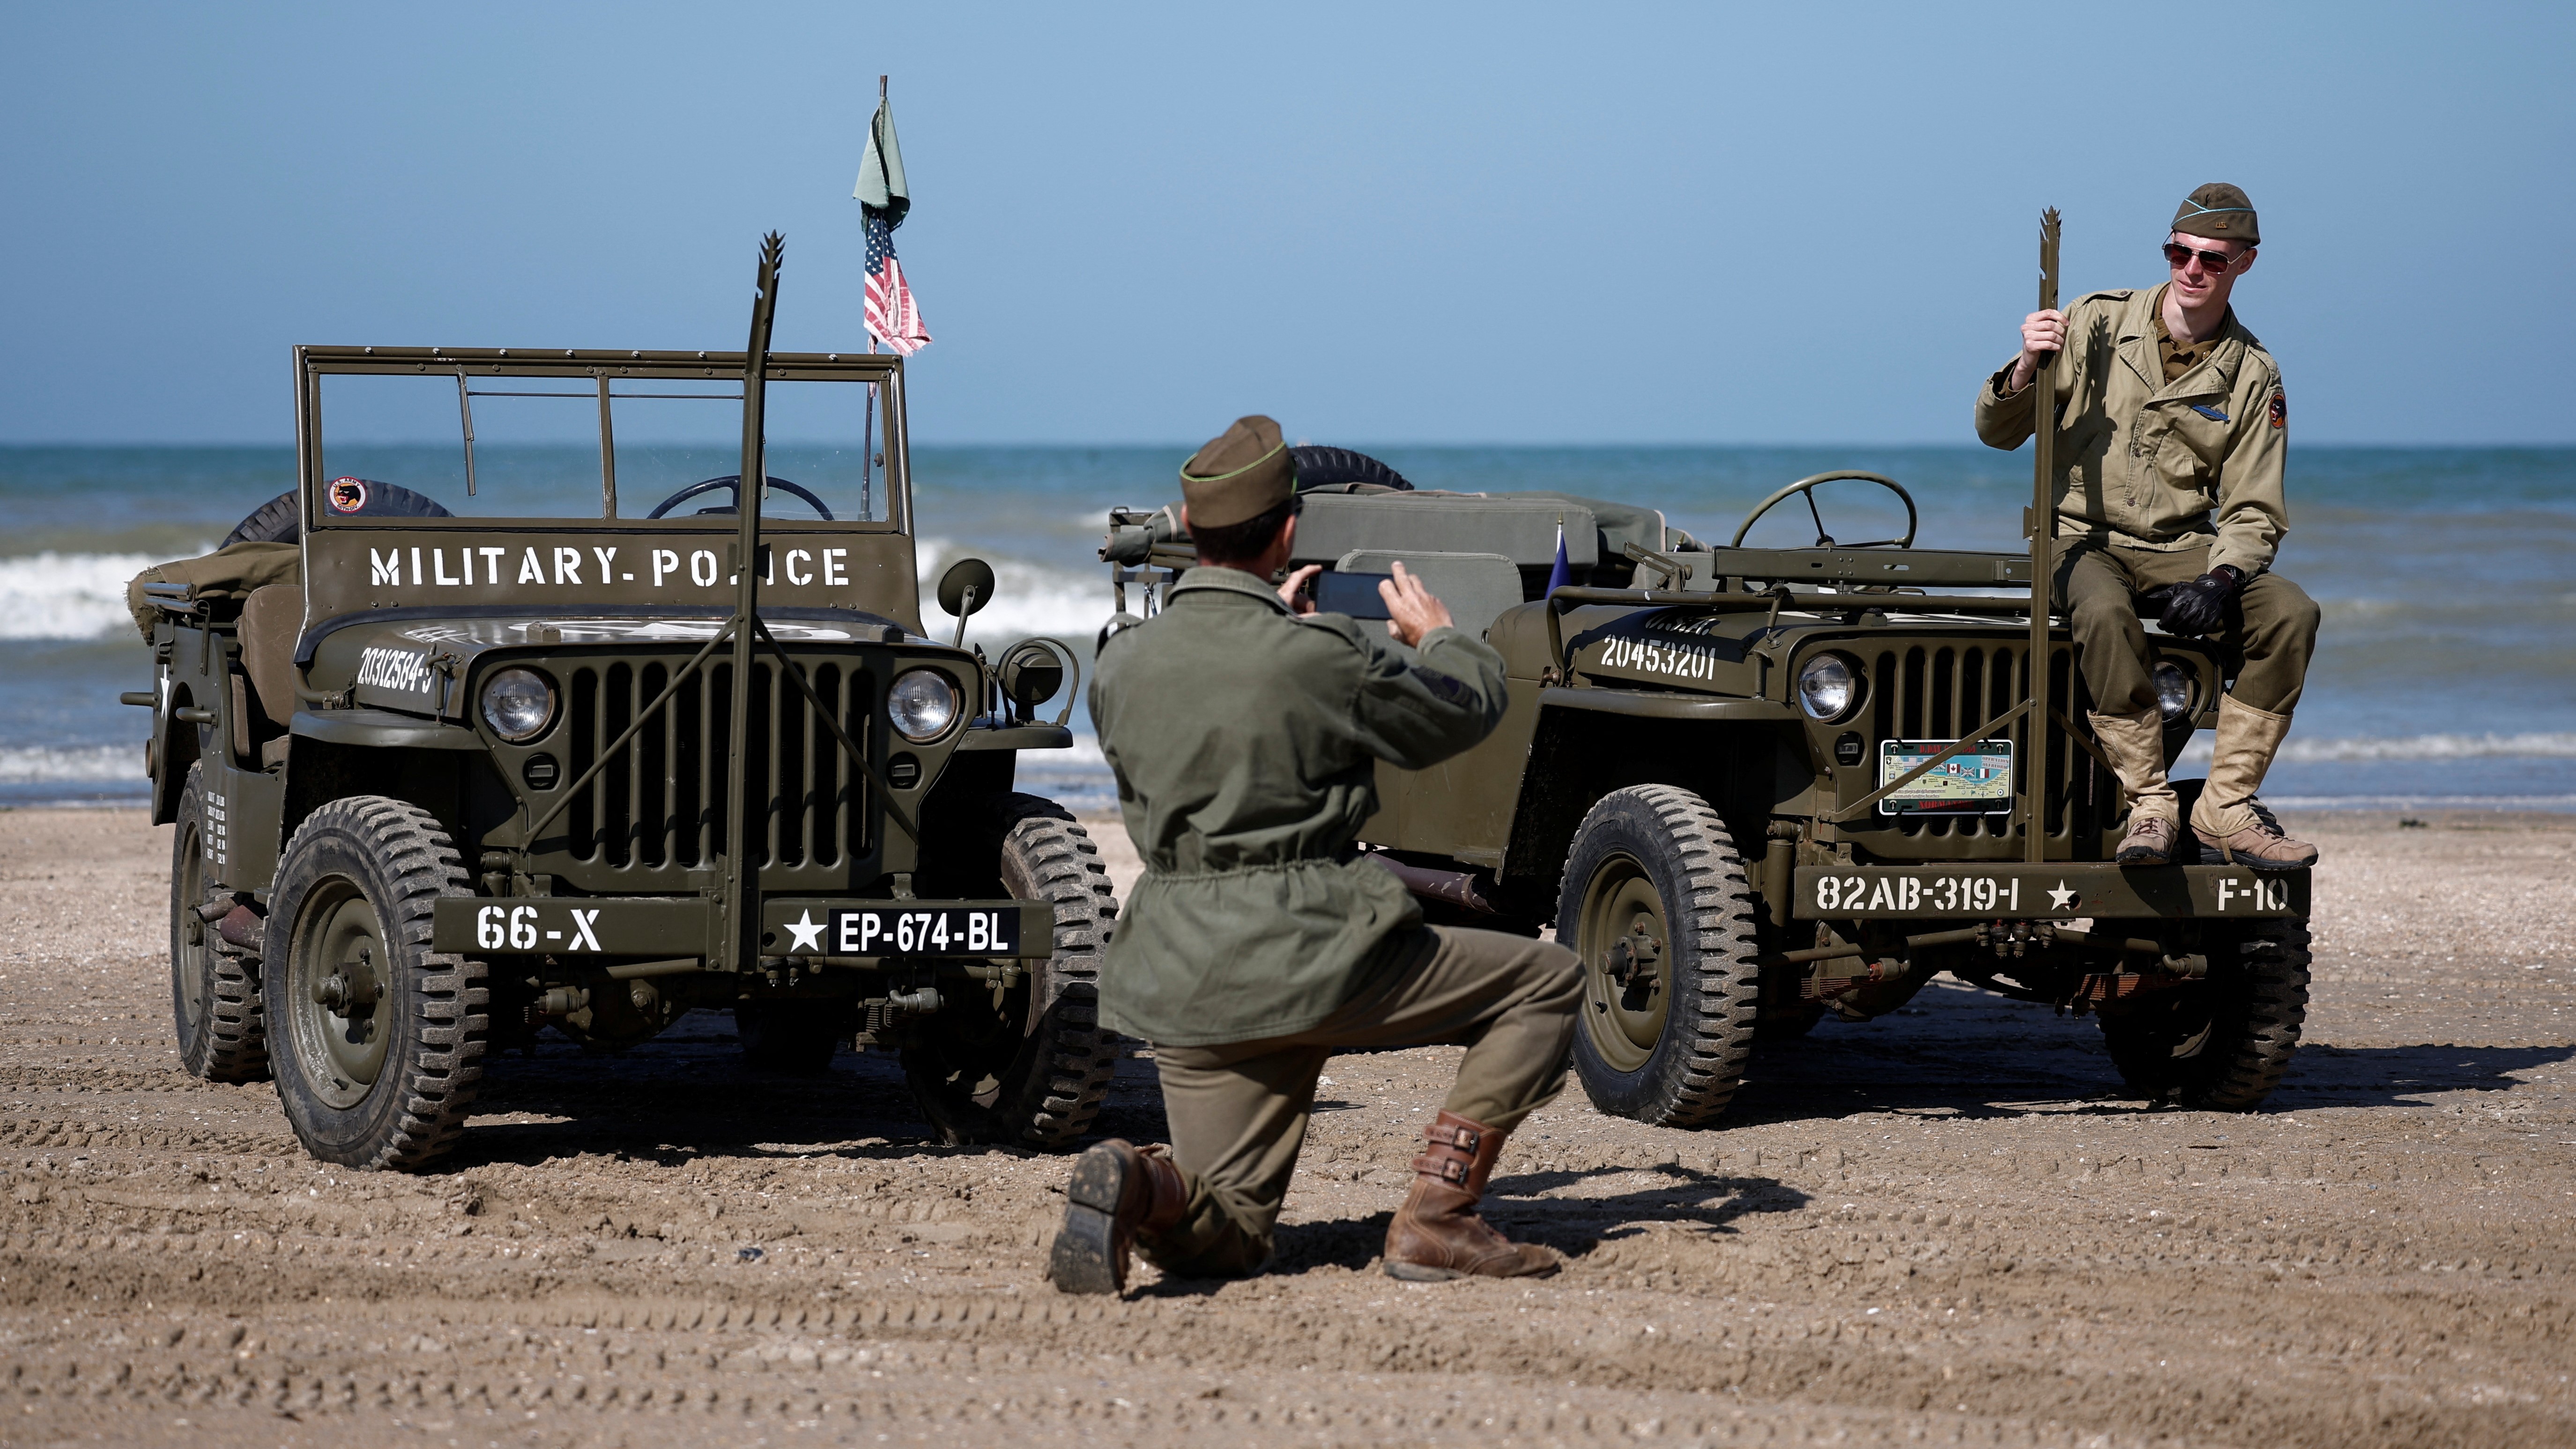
2155 462
1245 741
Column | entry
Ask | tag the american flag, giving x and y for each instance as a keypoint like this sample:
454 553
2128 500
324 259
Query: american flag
892 315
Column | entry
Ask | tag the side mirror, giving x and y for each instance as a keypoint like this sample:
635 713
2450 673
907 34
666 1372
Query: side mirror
966 587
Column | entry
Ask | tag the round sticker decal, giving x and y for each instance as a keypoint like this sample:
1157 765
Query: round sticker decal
347 495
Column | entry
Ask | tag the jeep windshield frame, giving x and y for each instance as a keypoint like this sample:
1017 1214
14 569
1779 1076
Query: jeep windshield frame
602 378
606 559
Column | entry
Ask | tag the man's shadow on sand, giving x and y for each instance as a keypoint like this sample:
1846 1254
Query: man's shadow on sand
1681 1198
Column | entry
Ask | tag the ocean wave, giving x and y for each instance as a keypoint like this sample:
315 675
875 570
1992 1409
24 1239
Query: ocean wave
1027 598
65 764
2533 744
67 595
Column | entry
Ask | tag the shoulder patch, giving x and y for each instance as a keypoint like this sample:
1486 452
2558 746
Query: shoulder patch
2280 408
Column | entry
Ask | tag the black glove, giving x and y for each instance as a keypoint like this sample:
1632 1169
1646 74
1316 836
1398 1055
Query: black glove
2194 608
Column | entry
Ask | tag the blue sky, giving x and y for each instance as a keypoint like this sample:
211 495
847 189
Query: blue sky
1430 223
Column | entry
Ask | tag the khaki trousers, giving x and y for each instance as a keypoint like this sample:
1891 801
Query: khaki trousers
1238 1111
2270 626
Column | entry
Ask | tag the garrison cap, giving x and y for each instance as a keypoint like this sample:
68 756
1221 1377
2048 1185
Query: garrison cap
2218 210
1241 474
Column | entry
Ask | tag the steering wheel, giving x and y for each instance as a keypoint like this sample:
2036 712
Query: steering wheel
732 484
1824 539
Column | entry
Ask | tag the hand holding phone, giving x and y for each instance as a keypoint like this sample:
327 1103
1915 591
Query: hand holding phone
1409 609
1355 594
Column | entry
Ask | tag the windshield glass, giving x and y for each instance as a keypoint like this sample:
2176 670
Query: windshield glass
485 446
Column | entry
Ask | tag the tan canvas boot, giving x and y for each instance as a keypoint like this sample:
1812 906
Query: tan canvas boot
2227 819
1436 1234
2135 745
1117 1190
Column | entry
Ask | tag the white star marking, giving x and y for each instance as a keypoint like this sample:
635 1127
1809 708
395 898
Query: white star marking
2061 897
807 931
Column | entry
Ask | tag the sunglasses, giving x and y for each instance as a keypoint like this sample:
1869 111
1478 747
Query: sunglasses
2214 263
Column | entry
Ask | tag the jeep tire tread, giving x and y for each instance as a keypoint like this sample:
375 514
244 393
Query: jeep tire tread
2220 1045
357 883
217 1016
1663 852
1038 1077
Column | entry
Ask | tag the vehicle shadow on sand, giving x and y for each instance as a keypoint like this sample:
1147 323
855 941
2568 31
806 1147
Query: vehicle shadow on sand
674 1102
1962 1054
1681 1198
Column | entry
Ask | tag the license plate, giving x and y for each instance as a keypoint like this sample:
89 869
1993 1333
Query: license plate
1976 781
939 931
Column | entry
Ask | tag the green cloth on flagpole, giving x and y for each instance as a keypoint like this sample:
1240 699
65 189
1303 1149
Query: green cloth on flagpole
881 185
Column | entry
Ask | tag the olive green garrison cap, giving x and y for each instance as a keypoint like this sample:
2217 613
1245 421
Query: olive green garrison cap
2218 210
1241 474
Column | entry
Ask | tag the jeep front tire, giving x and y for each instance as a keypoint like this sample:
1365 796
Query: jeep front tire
1657 909
376 1040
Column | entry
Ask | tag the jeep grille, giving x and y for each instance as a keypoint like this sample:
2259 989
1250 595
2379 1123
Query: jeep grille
1930 690
662 806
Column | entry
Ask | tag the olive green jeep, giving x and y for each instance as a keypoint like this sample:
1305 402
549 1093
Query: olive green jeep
461 745
1754 786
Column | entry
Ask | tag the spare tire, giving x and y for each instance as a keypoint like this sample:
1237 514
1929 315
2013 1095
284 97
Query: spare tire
1325 467
280 521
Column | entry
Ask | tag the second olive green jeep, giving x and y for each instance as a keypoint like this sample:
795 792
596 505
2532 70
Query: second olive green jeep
1755 786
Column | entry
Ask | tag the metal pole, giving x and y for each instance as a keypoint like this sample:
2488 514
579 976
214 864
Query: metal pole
2043 536
607 454
742 852
868 438
465 414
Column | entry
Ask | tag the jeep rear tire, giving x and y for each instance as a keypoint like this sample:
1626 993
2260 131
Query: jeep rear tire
1029 1065
215 1006
1657 908
377 1040
2219 1044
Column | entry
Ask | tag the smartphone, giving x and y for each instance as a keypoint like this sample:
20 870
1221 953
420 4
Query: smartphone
1354 594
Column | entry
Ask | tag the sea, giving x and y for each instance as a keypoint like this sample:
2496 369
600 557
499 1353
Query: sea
2444 678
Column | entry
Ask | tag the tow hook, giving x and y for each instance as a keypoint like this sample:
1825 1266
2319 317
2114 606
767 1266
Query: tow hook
2009 939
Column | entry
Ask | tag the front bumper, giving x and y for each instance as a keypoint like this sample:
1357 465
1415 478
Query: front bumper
2054 892
792 926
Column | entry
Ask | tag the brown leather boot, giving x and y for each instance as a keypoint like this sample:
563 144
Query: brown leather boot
2135 746
1117 1190
1436 1234
2227 817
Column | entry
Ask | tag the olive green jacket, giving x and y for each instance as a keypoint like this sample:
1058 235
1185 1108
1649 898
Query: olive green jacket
2143 463
1245 741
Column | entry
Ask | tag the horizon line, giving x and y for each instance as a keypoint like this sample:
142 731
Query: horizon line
1363 446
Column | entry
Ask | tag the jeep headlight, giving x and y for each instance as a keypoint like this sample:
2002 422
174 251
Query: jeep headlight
518 704
1828 687
922 704
2174 689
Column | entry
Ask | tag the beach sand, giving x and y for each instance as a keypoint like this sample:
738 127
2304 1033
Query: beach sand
1945 1226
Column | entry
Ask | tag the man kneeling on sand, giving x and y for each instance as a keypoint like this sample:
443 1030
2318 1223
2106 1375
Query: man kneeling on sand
1245 731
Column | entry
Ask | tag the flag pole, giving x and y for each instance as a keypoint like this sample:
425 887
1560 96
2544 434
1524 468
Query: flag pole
868 443
2043 537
